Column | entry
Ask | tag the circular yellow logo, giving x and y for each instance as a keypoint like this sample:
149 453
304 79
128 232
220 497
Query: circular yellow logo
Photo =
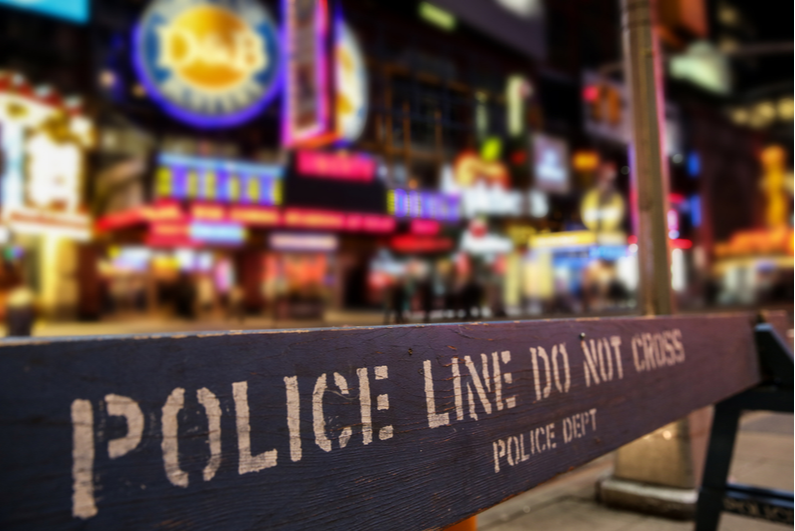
207 62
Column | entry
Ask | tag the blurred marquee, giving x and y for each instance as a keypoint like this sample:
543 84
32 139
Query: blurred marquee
44 142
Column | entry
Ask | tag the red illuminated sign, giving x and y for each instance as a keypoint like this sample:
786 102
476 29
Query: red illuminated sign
322 219
169 217
425 227
411 243
255 216
161 211
348 167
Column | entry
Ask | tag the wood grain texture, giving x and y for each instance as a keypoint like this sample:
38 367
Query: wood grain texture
412 476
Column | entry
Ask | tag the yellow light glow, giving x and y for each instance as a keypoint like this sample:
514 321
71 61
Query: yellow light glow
585 160
785 109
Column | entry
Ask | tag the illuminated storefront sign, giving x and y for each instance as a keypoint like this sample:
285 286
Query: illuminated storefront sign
208 63
330 220
425 227
350 82
169 214
44 152
412 243
602 211
74 10
484 187
287 241
478 241
186 177
775 241
576 239
606 108
306 102
425 205
550 163
344 166
166 234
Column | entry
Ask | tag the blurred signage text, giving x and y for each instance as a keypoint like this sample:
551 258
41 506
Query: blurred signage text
188 177
344 166
426 205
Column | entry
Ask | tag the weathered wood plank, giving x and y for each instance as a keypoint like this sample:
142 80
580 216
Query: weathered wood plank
406 427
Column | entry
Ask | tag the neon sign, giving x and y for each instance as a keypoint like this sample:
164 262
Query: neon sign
330 220
306 103
44 150
425 227
210 64
167 216
484 187
425 205
349 167
351 83
411 243
185 177
195 233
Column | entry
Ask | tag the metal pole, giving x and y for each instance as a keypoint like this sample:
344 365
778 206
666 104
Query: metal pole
649 171
661 471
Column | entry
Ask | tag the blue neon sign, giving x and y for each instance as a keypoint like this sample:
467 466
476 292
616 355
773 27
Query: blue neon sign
74 10
210 63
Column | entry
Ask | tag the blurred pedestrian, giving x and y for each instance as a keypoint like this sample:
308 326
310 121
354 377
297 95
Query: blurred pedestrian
236 303
206 295
427 296
185 296
20 310
398 301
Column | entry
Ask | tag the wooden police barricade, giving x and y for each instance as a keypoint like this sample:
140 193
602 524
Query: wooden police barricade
775 393
401 427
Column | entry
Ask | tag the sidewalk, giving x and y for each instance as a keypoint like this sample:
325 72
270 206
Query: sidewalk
763 456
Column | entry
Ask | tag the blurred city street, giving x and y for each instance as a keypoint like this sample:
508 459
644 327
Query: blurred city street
614 178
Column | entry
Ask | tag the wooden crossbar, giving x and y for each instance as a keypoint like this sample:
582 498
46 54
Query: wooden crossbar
401 427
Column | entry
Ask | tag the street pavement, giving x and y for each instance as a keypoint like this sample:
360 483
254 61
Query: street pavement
763 456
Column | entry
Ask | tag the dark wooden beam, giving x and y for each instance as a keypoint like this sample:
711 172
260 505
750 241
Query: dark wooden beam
403 427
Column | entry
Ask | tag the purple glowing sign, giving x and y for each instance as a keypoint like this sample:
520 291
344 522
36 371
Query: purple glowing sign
424 205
